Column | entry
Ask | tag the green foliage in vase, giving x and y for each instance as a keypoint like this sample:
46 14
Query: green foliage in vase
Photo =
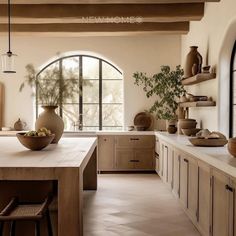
50 88
166 86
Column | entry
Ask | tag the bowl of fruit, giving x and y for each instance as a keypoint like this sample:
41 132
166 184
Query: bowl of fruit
36 140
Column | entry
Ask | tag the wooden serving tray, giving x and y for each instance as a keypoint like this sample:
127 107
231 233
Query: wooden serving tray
208 142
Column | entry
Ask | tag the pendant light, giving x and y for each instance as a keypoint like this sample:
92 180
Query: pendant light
8 59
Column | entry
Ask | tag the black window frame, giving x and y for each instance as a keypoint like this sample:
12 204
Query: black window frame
100 79
231 92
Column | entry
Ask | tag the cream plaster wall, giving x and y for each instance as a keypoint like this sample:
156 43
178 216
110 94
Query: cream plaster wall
130 54
215 34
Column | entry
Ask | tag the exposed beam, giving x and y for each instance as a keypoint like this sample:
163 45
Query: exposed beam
175 28
164 12
104 1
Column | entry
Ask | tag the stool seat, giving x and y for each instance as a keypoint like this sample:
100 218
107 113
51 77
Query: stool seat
15 211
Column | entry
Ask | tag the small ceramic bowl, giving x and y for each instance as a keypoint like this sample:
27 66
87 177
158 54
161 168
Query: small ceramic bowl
190 132
35 143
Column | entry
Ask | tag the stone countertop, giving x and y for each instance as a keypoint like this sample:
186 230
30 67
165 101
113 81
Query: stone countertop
217 157
88 133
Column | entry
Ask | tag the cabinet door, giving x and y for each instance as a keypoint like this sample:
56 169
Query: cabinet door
170 167
192 201
165 164
161 157
220 204
204 194
144 159
176 173
232 207
183 180
105 152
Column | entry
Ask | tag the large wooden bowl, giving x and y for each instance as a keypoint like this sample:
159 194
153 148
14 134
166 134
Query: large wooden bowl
202 142
35 143
232 146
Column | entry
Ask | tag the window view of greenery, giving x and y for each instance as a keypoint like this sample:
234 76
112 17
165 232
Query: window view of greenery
99 104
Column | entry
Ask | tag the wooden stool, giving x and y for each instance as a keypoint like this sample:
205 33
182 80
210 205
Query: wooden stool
15 211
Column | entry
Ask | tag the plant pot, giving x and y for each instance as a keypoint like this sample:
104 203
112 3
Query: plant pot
193 57
50 120
172 129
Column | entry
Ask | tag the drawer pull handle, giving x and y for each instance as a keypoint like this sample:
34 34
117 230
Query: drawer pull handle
227 187
186 160
134 160
134 139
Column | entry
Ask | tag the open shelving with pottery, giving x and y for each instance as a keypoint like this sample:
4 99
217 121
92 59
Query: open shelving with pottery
198 78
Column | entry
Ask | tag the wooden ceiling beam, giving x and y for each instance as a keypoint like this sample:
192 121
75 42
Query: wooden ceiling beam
174 28
105 1
160 12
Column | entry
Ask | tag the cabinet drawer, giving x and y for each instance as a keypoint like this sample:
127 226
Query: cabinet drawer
124 159
130 141
144 159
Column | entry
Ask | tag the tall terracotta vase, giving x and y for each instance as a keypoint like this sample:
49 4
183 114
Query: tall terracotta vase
50 120
193 57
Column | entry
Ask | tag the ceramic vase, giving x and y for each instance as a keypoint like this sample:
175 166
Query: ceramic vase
193 57
19 125
50 120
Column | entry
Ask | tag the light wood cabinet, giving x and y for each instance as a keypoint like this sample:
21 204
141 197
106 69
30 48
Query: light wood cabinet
183 194
206 194
220 204
106 145
192 207
126 152
204 198
176 173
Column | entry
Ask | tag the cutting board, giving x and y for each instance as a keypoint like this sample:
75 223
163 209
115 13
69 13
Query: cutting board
1 104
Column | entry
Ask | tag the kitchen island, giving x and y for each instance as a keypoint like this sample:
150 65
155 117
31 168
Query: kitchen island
72 163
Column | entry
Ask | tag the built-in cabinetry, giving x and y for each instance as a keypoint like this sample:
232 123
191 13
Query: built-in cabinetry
126 152
206 193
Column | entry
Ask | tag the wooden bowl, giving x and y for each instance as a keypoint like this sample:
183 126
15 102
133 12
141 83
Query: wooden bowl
190 132
35 143
202 142
232 146
187 123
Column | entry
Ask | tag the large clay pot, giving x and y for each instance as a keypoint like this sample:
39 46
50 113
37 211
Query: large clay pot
193 57
50 120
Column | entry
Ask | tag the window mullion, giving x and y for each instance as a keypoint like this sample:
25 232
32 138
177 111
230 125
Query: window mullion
100 94
80 92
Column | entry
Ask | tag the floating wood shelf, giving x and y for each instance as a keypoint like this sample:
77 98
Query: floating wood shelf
198 78
197 104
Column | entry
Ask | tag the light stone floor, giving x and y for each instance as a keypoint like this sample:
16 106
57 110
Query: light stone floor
134 205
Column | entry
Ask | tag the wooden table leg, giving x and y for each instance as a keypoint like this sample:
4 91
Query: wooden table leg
90 173
70 202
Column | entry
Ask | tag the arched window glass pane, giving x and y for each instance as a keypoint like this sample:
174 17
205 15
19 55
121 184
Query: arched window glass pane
90 68
108 72
99 103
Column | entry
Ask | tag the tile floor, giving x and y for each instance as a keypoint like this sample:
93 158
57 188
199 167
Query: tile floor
134 205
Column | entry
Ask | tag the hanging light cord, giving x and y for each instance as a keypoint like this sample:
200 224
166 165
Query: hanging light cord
9 26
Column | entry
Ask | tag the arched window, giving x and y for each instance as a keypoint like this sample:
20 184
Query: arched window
99 104
232 117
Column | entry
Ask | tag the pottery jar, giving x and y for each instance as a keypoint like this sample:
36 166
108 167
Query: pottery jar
50 120
193 57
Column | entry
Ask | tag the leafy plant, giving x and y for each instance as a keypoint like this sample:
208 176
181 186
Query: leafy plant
167 86
50 88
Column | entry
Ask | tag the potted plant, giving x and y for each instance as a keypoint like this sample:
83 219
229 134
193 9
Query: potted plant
167 87
50 90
